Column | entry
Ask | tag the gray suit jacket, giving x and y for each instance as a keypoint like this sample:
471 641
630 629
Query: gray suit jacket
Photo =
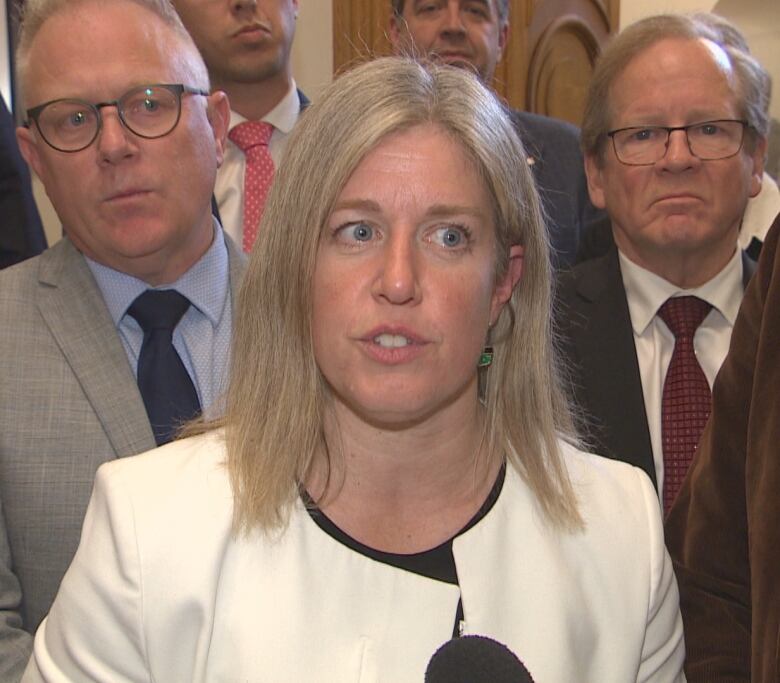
68 402
597 344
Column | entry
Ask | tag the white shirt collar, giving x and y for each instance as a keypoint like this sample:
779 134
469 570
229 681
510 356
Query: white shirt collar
646 292
282 117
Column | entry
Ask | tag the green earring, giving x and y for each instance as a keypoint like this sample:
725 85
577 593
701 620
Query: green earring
486 357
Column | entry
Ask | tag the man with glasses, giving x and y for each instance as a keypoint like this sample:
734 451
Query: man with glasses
120 332
674 138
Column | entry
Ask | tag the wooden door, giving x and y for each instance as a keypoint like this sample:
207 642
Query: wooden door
548 59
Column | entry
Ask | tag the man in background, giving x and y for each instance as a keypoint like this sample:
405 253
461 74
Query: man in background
246 45
21 234
120 331
674 136
472 34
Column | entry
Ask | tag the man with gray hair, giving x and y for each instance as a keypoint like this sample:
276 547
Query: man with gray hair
472 34
118 333
674 138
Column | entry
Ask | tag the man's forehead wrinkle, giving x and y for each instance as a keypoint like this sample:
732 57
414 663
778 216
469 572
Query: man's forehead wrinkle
671 64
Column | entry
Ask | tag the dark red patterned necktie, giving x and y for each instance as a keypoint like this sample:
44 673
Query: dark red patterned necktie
686 401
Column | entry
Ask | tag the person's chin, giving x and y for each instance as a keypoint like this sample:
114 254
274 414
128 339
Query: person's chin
457 60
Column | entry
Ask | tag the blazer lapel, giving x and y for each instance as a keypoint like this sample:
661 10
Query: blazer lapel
610 383
73 308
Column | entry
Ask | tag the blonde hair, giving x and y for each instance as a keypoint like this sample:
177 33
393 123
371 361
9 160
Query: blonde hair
753 85
276 398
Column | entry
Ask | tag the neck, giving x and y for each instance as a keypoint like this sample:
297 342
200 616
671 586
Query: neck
404 490
254 100
684 268
165 265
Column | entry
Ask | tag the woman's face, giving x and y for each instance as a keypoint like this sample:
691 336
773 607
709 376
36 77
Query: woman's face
405 285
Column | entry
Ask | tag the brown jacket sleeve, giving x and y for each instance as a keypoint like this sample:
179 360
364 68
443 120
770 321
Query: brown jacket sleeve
724 531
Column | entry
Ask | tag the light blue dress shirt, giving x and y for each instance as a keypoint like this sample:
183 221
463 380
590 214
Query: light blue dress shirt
202 337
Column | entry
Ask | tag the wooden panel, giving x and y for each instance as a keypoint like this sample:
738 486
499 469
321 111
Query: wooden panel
511 75
359 31
564 39
560 70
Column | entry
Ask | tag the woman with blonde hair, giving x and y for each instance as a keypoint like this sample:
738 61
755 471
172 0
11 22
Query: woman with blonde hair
396 465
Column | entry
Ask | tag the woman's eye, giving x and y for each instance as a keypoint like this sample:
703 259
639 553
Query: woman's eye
356 232
450 237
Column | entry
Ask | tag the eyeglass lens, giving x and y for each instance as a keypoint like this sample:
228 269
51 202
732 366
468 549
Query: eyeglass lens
148 111
708 140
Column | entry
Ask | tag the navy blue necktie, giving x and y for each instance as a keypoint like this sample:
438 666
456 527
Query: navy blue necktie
166 387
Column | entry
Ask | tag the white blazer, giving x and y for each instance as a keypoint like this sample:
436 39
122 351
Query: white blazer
161 590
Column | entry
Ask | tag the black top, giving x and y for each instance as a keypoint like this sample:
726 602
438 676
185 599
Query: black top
437 563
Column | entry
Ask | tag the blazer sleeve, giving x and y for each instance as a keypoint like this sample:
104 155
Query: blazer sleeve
15 642
94 629
663 650
708 527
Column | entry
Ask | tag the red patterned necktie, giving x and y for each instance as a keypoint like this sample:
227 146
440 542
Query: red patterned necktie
686 401
252 137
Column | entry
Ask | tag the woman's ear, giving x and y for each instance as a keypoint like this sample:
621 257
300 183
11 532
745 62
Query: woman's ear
503 291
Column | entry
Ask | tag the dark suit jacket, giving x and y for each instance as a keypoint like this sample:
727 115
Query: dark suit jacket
597 344
21 232
553 148
724 530
68 403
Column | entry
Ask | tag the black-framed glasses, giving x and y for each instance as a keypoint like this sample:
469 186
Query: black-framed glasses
707 140
148 111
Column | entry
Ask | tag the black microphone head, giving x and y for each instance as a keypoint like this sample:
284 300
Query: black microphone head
475 659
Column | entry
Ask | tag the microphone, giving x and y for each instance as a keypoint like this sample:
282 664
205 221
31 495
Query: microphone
475 659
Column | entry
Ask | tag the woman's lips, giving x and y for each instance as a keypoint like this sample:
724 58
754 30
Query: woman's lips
393 345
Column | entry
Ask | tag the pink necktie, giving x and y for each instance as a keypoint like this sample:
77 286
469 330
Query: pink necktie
686 401
252 137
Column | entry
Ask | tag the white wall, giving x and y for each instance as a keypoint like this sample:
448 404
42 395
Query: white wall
759 20
312 54
631 10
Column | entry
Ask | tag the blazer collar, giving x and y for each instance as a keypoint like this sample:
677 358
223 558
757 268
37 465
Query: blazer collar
74 311
72 307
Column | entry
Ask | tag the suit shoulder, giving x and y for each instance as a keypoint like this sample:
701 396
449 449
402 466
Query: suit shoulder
181 460
17 281
547 127
589 279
